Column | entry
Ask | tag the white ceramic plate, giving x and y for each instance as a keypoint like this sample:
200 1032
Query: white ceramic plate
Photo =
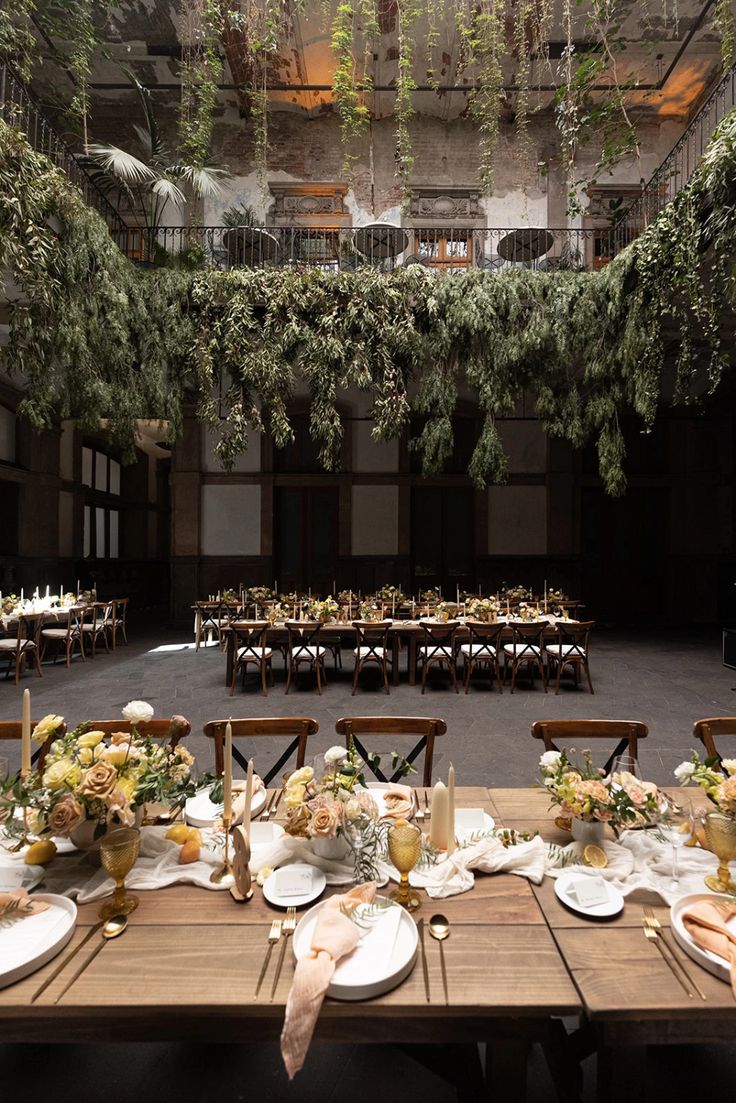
714 964
564 891
199 811
319 882
28 944
383 958
469 821
378 789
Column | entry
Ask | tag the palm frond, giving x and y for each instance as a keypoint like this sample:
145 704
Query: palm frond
144 138
157 145
206 182
123 166
168 191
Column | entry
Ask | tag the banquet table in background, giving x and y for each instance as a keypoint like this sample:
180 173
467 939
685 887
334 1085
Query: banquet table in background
517 960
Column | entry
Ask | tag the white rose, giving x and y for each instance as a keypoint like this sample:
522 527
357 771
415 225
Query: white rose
549 758
684 771
334 755
119 753
137 712
729 765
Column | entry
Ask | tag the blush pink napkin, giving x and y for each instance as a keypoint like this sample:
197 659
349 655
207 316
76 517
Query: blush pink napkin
399 801
705 922
334 936
28 906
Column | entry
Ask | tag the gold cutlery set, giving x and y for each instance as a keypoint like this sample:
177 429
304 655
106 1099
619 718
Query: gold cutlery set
280 931
271 806
439 928
655 933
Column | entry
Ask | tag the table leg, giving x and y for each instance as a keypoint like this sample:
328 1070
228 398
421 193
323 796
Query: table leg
412 660
622 1073
395 645
506 1068
230 659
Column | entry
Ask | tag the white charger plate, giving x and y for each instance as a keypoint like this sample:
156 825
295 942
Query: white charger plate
199 811
31 943
378 790
365 972
319 882
613 906
712 962
469 821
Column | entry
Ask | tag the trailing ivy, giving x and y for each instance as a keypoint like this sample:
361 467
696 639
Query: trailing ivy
93 337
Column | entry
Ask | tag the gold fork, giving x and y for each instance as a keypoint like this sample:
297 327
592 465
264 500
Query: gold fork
267 806
656 926
273 936
287 928
652 935
419 813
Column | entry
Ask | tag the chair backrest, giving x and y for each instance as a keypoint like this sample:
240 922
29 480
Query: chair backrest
484 633
71 619
209 613
302 634
576 636
706 730
156 729
372 635
296 728
250 638
526 637
439 639
104 613
12 729
580 732
426 728
121 608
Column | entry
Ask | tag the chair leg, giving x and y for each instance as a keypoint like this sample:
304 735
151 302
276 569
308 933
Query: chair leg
513 674
543 673
453 673
289 669
559 675
264 687
499 680
18 655
356 672
384 667
235 678
468 669
37 660
317 667
587 674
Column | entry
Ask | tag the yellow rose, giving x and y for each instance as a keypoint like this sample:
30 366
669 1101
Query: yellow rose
85 756
118 754
293 795
61 773
90 739
46 726
128 786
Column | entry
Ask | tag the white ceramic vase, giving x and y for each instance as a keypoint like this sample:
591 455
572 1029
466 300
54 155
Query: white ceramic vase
334 850
587 833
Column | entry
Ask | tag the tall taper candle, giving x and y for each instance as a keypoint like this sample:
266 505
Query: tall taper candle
248 795
25 735
457 595
451 809
227 778
438 824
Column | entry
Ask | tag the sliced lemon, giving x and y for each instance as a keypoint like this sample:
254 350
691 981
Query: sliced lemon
595 857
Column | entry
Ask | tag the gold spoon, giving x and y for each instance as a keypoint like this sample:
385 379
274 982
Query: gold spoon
439 928
114 926
111 928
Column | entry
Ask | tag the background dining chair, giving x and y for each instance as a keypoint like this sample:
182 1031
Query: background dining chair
482 649
526 649
249 647
720 727
295 728
424 730
68 637
439 649
371 647
12 730
570 648
212 619
173 729
120 621
304 647
98 625
18 647
578 733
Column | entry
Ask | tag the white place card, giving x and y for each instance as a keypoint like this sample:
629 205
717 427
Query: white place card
590 891
291 881
469 819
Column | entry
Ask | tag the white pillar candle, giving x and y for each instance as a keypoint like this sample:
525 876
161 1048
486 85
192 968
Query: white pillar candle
393 605
451 809
457 595
77 585
61 593
438 823
48 593
227 777
248 795
21 594
25 735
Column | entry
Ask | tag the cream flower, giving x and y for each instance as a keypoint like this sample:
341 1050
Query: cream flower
61 773
334 755
549 759
90 739
45 727
86 756
684 771
729 765
137 712
120 753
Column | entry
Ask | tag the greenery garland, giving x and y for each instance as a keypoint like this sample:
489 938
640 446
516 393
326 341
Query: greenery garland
97 338
201 69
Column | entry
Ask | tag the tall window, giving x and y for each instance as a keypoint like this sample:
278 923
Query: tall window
445 250
101 480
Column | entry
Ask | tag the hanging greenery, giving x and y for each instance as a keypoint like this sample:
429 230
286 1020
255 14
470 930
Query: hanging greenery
201 28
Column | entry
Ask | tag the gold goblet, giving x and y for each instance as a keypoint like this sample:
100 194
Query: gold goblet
404 848
118 853
720 834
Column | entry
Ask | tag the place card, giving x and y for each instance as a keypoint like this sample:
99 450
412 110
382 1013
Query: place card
590 891
291 881
469 819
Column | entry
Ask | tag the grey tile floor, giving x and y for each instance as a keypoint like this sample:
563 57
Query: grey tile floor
667 680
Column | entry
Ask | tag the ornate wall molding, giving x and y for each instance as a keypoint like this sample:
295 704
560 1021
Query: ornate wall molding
446 206
320 204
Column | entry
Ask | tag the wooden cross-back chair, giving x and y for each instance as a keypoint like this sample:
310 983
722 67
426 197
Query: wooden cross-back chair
295 728
371 647
581 732
159 728
721 727
97 623
20 645
249 647
571 648
305 647
482 649
68 637
526 649
427 729
439 648
12 730
120 621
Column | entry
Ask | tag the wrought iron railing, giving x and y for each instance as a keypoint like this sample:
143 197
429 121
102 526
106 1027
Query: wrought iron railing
677 168
19 109
451 249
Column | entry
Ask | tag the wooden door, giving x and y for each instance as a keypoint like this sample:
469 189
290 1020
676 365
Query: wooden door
306 538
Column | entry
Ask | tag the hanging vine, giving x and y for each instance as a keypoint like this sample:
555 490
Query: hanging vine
201 69
408 13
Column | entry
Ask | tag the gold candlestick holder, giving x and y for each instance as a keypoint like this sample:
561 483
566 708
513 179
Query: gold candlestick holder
224 875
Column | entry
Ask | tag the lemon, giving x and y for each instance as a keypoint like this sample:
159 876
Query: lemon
38 854
263 874
179 833
595 857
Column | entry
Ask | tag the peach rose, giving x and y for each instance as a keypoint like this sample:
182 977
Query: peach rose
323 824
66 814
99 781
296 821
117 738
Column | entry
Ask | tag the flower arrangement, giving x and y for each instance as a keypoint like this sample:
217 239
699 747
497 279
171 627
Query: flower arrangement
430 595
390 593
716 778
257 595
323 611
278 611
585 793
483 608
556 596
445 609
515 594
322 809
104 779
10 601
229 594
368 610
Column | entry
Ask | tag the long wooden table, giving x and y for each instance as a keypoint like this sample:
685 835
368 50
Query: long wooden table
518 961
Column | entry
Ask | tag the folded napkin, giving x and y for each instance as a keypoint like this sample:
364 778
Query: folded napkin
398 801
26 905
239 797
453 874
334 937
705 922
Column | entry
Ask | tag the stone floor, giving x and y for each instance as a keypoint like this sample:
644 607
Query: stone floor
667 681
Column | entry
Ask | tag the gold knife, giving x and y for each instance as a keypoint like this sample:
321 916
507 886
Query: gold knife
425 970
60 968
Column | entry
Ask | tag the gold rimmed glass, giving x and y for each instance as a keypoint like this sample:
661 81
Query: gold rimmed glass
720 834
404 848
118 854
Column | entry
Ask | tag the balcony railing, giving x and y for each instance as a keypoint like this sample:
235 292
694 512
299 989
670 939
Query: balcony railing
379 245
679 165
19 109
